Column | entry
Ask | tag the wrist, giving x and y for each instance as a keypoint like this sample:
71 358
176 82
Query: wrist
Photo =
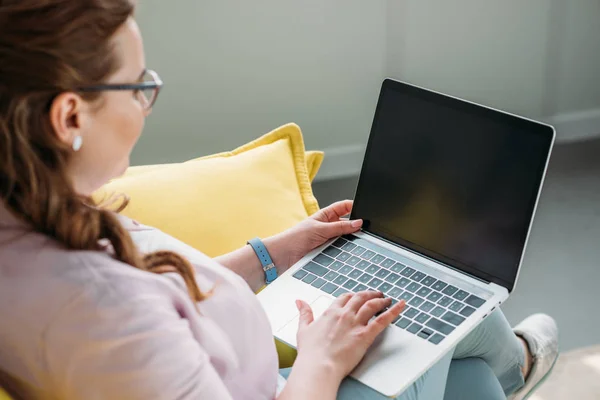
278 250
319 368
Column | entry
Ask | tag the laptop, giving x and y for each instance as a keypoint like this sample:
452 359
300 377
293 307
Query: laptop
447 192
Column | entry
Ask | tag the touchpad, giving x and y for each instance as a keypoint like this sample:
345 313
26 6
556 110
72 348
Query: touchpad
288 331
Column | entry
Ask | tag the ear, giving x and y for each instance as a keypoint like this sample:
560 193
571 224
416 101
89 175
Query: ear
66 116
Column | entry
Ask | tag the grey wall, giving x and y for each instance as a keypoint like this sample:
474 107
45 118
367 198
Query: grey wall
235 69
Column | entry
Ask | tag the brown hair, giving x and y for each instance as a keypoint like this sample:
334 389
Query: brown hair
47 48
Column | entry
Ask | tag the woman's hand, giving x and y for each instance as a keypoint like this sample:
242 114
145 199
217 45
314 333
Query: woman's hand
290 246
339 339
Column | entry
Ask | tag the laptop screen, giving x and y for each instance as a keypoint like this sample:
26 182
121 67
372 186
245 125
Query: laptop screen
451 180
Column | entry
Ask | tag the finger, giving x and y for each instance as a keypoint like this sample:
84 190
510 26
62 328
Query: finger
370 308
360 298
335 211
377 326
339 228
341 301
306 315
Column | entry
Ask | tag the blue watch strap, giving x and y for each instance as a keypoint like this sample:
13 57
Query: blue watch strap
265 259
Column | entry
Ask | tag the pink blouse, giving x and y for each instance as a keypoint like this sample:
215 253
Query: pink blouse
80 325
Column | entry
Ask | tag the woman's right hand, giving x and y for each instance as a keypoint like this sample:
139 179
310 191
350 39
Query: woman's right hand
341 336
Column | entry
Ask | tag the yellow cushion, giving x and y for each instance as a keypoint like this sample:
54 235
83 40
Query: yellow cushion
216 203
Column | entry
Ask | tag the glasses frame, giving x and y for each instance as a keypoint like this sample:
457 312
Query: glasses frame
156 84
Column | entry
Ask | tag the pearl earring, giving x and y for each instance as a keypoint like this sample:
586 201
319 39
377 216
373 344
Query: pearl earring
77 142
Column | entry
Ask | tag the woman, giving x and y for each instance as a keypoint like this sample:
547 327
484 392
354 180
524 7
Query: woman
94 305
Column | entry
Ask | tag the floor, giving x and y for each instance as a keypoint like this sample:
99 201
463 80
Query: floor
561 269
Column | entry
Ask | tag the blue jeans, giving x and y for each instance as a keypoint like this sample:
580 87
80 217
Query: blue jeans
486 364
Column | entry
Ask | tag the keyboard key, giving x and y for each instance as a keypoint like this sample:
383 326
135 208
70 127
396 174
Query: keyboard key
454 319
406 296
403 323
340 280
439 286
355 274
385 287
392 278
467 311
427 306
357 251
395 292
402 282
359 288
474 301
413 287
375 282
414 328
408 271
424 292
440 326
365 278
353 260
422 318
330 276
424 334
363 265
427 331
428 281
456 306
388 262
417 276
437 312
339 292
397 267
434 296
367 255
372 269
394 301
300 274
377 259
410 312
309 278
346 269
344 256
332 251
340 242
323 259
315 269
450 290
436 339
336 265
350 284
461 295
329 288
318 283
445 301
348 246
416 301
382 273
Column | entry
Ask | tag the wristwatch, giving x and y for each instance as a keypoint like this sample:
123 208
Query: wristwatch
265 259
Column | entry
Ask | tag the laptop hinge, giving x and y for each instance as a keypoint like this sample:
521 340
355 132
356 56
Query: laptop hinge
424 256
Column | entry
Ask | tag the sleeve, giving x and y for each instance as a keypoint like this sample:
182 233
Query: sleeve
115 347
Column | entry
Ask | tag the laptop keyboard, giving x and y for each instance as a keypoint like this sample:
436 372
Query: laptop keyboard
433 309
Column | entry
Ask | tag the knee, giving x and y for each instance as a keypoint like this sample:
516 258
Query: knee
472 378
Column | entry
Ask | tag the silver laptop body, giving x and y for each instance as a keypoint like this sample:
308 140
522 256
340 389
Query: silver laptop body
447 192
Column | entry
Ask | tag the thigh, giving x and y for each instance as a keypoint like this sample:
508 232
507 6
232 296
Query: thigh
472 378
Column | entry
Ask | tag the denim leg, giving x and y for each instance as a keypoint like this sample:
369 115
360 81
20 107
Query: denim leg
494 342
472 378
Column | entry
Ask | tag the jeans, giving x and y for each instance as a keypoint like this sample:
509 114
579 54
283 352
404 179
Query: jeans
486 364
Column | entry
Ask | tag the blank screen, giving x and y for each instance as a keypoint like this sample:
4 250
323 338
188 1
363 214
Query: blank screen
451 180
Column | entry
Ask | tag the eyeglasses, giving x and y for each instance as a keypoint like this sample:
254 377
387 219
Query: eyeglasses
146 91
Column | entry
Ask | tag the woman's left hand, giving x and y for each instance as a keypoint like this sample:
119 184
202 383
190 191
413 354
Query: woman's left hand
290 246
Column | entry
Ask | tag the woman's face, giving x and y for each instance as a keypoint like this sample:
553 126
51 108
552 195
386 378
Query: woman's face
109 127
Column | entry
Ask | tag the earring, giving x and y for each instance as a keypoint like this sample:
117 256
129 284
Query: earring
77 142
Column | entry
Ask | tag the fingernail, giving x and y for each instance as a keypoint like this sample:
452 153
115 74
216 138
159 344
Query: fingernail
356 223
